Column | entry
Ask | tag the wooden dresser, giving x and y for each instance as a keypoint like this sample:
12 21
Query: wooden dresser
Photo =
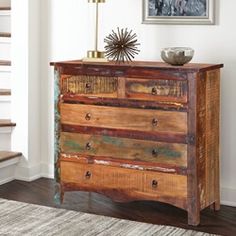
139 131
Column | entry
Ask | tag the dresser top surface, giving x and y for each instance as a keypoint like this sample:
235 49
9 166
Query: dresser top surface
141 64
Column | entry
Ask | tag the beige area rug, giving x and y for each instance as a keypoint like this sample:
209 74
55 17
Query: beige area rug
20 219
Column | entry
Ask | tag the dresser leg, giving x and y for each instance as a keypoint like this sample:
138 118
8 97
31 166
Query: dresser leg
59 194
215 206
61 197
194 218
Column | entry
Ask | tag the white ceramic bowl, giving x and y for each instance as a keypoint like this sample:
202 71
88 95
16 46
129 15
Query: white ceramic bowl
177 55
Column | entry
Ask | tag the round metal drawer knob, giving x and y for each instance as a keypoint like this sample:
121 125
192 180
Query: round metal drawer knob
88 86
154 91
88 116
154 122
155 152
154 183
88 146
88 175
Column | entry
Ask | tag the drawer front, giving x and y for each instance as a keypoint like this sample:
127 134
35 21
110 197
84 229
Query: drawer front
124 118
103 177
124 148
157 90
83 85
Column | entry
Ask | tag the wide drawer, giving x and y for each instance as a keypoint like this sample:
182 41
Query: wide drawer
142 184
124 118
124 148
99 86
157 90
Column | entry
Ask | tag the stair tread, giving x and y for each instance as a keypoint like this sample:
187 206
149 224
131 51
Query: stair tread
7 155
5 34
6 123
5 8
5 63
5 92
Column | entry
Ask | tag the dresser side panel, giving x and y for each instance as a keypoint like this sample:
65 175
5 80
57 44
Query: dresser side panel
212 135
208 102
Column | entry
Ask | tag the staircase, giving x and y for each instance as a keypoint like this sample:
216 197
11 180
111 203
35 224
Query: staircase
8 159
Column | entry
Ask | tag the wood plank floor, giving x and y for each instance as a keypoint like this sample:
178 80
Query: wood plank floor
41 192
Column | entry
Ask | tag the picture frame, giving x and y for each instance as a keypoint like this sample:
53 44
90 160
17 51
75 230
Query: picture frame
188 12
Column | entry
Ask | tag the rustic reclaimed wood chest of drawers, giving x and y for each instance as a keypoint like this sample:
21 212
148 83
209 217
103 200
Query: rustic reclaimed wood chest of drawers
139 131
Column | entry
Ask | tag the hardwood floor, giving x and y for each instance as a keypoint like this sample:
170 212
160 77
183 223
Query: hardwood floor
41 192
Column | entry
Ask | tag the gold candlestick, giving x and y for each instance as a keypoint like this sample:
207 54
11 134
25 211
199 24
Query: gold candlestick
95 55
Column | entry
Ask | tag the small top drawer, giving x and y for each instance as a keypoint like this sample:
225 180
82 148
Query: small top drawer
157 90
84 85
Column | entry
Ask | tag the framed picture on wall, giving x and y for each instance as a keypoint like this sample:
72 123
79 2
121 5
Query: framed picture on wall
178 11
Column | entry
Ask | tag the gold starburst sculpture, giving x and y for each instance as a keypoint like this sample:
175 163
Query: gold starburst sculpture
121 46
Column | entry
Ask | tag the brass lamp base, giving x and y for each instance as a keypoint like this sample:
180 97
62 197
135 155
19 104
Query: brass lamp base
95 56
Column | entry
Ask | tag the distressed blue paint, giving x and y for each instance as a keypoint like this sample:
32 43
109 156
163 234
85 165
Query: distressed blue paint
115 141
162 151
74 146
57 195
165 151
169 152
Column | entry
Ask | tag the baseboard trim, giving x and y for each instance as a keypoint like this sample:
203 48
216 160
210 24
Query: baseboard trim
27 179
227 203
28 174
32 173
47 176
228 196
47 171
6 180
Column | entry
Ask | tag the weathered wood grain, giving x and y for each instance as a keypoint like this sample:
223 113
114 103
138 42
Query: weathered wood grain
57 125
121 87
124 102
159 89
131 183
212 138
108 131
123 148
124 118
208 139
140 66
201 138
98 86
135 134
193 191
123 163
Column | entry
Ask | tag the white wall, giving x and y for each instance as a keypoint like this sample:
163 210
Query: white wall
65 36
26 86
